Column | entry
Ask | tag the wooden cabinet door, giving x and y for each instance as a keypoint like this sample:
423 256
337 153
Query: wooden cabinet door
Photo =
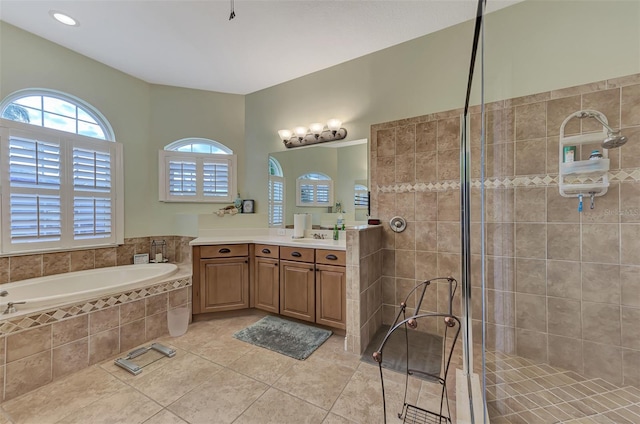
224 284
267 284
331 296
297 290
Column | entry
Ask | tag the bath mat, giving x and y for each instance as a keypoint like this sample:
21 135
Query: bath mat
283 336
425 351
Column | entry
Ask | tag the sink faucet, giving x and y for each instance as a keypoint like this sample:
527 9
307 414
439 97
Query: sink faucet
318 236
4 293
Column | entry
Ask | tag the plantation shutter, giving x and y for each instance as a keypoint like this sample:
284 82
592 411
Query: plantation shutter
216 179
182 178
276 201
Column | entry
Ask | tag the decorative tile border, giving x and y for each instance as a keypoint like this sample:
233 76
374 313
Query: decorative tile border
548 180
15 325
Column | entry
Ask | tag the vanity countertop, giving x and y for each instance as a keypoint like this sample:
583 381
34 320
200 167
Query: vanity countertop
270 239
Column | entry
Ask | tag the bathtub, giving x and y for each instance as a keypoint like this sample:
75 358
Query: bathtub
61 289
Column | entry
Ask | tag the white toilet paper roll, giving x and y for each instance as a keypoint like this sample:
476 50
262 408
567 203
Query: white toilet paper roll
299 224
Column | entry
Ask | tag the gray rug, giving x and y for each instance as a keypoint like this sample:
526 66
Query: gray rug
425 351
283 336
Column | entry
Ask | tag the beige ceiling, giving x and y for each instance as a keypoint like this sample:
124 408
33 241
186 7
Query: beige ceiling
193 44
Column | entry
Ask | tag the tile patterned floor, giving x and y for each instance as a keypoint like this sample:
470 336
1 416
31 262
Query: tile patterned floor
215 378
521 391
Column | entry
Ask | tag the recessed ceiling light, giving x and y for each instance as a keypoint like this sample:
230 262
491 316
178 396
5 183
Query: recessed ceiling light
63 18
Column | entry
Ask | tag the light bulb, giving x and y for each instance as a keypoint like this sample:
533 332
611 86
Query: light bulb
334 124
284 134
316 128
300 131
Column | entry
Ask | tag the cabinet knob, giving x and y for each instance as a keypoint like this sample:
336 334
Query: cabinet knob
266 251
224 250
296 254
332 257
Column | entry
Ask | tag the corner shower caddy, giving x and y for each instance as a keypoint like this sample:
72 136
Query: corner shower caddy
445 324
583 177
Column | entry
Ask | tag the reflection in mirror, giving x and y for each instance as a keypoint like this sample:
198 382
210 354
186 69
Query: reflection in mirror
344 163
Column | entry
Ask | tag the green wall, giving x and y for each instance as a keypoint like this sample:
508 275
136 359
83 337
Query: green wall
533 46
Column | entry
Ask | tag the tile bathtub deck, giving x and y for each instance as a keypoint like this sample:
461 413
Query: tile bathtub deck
215 378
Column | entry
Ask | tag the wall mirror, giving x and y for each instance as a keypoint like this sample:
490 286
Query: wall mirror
344 163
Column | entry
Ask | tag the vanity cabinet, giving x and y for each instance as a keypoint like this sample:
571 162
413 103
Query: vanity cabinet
267 278
297 283
331 288
222 273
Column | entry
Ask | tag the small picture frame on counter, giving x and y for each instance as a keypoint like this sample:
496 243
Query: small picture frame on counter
248 206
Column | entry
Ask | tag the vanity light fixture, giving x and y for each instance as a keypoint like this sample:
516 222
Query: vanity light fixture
315 133
63 18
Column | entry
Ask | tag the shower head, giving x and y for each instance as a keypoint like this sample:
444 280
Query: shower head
614 138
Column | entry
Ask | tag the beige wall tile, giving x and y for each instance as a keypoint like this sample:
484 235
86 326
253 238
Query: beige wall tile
448 165
531 240
105 257
426 236
500 273
70 357
531 345
530 204
132 311
629 202
27 374
531 121
631 153
386 142
531 312
426 265
564 279
601 323
500 239
561 209
426 136
630 328
124 254
4 270
500 205
56 263
405 169
3 357
448 134
449 265
448 237
630 285
631 367
630 244
389 262
156 325
563 242
386 170
24 267
531 157
406 205
557 110
601 283
531 276
605 101
104 319
606 207
448 206
179 297
565 353
600 243
603 361
406 140
406 240
426 166
553 155
564 317
82 259
132 334
500 125
156 304
386 205
405 264
70 330
28 342
499 161
104 345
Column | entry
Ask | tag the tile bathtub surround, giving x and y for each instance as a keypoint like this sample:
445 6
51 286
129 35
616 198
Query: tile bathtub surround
54 344
22 267
560 284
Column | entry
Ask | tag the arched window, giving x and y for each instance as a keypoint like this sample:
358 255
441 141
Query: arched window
314 189
60 172
197 170
276 193
56 110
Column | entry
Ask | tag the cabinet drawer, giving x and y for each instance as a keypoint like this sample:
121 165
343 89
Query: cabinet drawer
224 250
267 251
331 257
297 254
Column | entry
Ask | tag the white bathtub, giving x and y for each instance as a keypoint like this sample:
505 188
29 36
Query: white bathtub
61 289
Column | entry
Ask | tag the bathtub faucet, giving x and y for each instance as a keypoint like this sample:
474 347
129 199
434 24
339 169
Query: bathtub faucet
4 293
11 309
